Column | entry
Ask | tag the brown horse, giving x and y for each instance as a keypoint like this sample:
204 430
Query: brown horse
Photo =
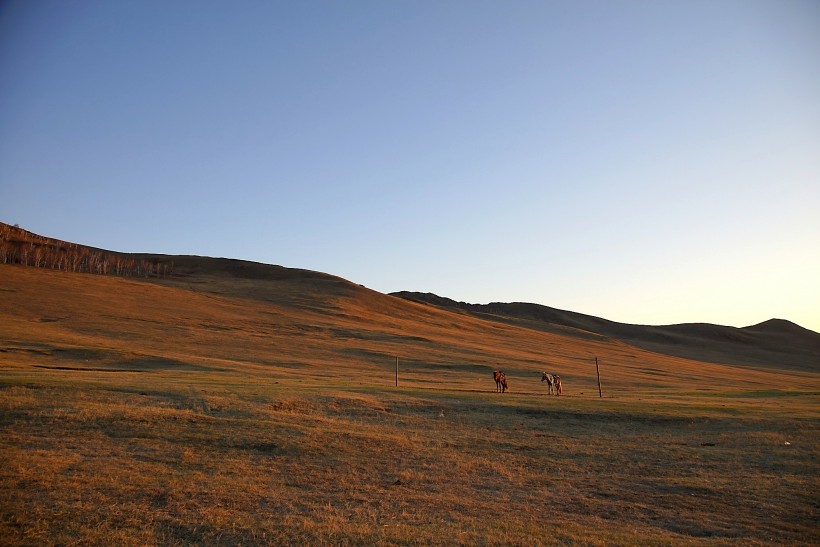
500 381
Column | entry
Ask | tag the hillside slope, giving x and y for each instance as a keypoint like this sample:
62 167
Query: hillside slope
223 312
315 327
775 343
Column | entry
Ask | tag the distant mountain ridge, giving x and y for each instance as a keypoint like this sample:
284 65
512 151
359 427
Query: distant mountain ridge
775 340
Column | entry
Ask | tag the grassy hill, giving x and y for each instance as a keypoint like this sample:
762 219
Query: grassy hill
219 401
776 343
235 317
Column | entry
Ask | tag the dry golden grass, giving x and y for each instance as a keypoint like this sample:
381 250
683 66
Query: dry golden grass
219 411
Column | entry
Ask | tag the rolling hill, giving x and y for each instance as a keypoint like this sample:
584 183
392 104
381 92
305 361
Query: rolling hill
773 343
188 311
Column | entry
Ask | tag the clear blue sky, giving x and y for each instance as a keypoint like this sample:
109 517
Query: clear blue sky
644 161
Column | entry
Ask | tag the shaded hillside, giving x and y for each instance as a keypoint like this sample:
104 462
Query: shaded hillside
774 343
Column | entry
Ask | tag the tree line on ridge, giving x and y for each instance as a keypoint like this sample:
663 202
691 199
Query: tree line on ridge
19 246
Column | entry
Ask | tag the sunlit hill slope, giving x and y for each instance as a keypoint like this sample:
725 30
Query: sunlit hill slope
193 313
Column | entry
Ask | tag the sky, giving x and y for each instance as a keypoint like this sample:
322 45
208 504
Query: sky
651 162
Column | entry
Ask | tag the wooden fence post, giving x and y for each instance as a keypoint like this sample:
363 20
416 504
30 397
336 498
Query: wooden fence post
598 373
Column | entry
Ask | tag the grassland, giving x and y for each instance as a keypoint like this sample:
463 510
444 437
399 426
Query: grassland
222 410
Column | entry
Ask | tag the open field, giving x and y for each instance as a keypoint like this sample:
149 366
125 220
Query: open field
215 408
167 458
